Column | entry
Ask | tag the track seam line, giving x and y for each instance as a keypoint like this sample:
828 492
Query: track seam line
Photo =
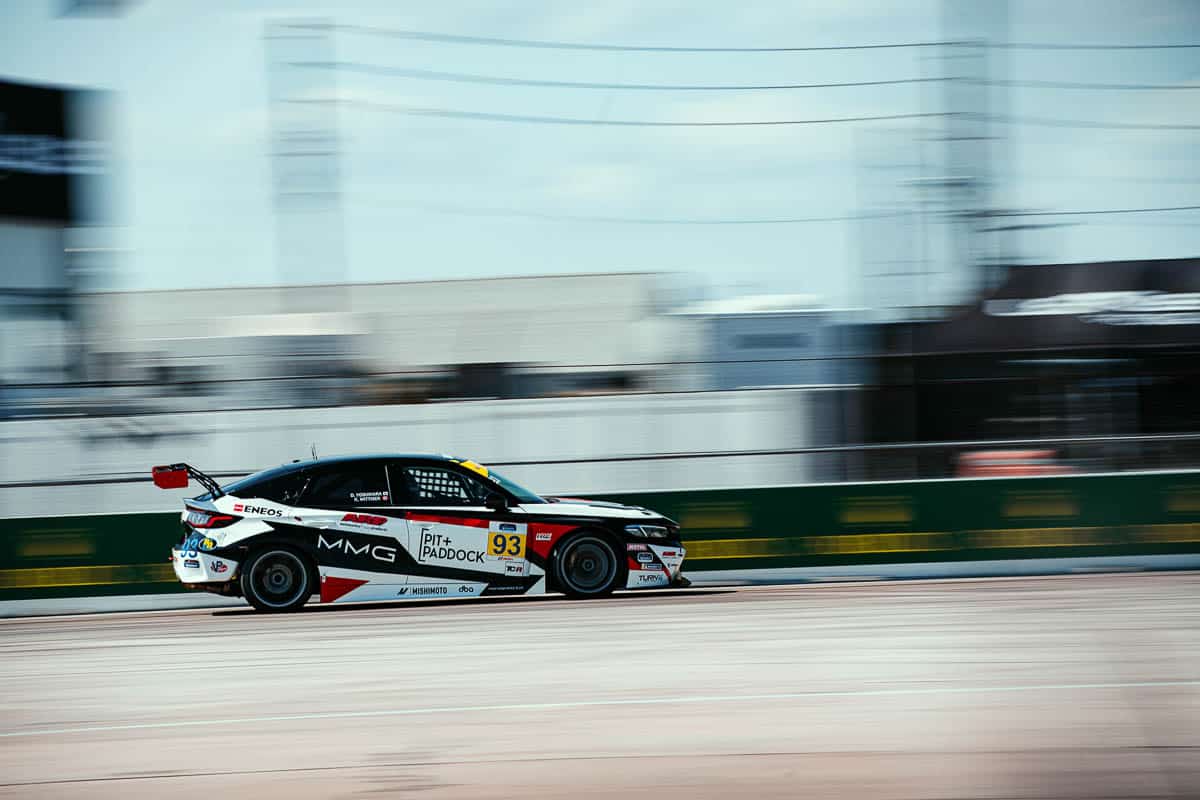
401 712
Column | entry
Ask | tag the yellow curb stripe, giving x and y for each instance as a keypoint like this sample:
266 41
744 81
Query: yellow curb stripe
98 575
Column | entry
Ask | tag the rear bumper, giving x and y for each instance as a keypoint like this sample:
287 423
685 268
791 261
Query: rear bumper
192 567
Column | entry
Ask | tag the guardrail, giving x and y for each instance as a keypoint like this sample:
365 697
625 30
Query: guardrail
820 524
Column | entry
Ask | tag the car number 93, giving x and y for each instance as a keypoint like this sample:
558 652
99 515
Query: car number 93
507 545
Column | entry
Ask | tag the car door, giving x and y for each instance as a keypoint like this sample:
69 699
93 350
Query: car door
453 536
348 504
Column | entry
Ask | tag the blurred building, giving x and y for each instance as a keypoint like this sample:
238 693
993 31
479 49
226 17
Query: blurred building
52 165
403 341
770 340
777 341
1060 351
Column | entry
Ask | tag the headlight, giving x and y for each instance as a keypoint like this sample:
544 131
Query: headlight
647 531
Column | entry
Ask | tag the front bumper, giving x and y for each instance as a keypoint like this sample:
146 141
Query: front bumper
653 565
193 566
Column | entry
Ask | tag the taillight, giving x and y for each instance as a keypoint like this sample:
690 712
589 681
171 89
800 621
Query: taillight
207 520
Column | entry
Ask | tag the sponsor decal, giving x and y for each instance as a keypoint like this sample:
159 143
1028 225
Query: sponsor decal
508 527
191 563
514 568
636 547
543 537
654 578
369 497
402 592
378 552
506 545
505 588
654 567
438 546
645 558
668 553
422 591
219 566
464 589
364 519
246 508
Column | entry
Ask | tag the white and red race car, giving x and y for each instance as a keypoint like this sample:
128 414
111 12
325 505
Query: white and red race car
408 527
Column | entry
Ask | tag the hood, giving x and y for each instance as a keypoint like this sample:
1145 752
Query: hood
571 506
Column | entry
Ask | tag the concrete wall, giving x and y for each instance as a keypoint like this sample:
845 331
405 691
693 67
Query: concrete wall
489 431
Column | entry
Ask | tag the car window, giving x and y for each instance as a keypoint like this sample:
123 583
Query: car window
275 483
434 486
348 485
284 489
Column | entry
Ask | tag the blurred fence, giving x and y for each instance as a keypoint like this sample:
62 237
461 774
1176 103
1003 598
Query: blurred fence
83 465
786 526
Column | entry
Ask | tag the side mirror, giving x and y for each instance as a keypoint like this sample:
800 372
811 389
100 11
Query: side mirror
496 502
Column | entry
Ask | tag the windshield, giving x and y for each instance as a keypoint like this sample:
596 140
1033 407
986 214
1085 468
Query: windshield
518 491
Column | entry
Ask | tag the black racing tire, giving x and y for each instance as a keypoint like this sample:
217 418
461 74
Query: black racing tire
277 579
587 565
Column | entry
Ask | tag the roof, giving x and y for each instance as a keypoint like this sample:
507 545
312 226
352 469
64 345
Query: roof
757 304
563 319
301 463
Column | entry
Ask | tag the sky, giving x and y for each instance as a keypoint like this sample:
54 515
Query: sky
426 197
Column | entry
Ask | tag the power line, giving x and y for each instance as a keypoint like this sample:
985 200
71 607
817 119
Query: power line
1089 212
1065 46
1082 123
494 80
502 212
462 77
1075 85
451 38
618 220
446 113
488 116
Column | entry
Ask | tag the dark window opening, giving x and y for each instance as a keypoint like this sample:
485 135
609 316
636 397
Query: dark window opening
350 485
435 486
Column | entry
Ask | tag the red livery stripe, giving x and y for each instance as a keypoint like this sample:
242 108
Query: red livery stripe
447 520
332 588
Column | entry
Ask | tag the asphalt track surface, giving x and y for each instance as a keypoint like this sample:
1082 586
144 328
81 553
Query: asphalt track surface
1057 687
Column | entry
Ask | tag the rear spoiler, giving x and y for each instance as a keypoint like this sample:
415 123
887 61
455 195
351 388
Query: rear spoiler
175 476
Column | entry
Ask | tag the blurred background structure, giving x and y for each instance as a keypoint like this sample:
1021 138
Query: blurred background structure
802 245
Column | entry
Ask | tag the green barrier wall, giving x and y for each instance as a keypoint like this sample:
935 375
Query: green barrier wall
824 524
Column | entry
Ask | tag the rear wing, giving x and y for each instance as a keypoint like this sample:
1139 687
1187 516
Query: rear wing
175 476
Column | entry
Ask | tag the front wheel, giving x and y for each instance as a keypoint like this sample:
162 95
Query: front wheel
277 579
586 566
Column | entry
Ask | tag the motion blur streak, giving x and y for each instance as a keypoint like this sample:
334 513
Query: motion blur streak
734 698
1073 687
866 289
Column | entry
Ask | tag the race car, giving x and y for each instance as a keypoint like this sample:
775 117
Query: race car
408 527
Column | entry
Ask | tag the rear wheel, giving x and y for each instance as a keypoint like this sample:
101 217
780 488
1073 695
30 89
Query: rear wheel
277 579
586 565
